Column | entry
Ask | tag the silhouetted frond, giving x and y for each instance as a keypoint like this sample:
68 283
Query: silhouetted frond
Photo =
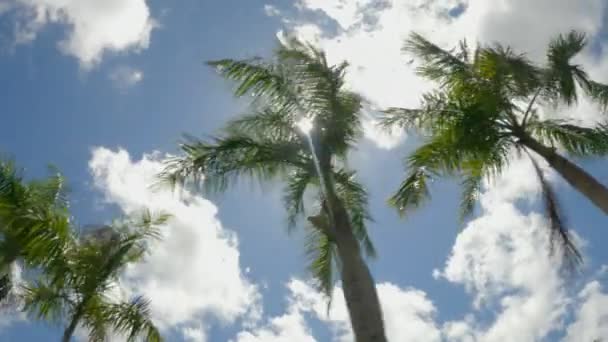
559 232
580 141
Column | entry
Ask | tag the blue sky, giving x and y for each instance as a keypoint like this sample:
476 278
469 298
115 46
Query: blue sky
104 90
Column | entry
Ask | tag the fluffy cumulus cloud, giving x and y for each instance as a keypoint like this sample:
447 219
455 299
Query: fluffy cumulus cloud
193 274
94 27
370 34
591 322
503 259
408 316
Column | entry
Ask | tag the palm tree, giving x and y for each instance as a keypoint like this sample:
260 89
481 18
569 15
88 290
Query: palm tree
77 286
487 106
300 129
34 222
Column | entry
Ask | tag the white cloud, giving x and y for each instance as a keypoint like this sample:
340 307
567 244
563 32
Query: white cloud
591 321
271 10
371 33
124 77
193 274
194 334
409 316
502 258
95 27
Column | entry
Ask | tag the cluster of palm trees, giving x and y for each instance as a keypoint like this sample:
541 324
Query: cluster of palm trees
303 122
69 279
490 104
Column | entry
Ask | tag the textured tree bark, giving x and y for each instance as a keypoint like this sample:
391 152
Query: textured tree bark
578 178
357 283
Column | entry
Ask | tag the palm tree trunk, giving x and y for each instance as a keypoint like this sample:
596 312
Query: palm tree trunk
358 285
69 331
578 178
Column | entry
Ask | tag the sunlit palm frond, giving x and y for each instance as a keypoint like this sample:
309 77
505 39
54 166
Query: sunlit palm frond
293 198
266 123
132 319
321 97
52 189
224 160
322 255
438 64
412 192
254 77
510 71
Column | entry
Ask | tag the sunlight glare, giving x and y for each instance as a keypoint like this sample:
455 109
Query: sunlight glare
305 125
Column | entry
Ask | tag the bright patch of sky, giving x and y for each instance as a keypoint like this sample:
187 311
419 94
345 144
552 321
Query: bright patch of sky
104 90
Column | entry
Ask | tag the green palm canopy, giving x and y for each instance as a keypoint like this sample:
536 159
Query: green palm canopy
34 222
486 107
80 285
301 124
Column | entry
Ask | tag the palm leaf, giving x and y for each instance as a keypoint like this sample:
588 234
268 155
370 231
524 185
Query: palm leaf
133 320
226 159
412 192
579 141
355 200
562 75
293 197
438 64
321 252
558 230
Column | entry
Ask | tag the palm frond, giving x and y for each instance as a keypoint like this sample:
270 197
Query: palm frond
579 141
133 320
558 231
599 93
412 192
437 64
266 124
253 76
561 74
220 163
471 188
400 117
355 200
319 87
293 198
322 255
44 302
510 71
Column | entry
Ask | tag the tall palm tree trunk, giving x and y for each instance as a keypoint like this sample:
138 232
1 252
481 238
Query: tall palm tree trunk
69 331
358 285
578 178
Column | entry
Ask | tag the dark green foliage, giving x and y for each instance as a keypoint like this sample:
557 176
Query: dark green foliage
76 286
